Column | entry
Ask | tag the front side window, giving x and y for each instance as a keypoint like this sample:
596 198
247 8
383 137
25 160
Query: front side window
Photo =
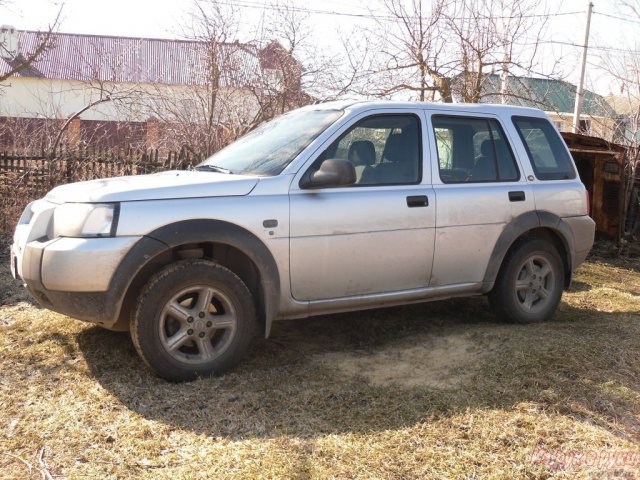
384 149
472 150
547 152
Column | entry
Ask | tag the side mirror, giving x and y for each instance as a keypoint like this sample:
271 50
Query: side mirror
333 172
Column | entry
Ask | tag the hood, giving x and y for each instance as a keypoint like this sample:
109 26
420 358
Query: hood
157 186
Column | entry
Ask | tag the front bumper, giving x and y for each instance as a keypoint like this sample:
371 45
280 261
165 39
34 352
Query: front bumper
83 278
72 264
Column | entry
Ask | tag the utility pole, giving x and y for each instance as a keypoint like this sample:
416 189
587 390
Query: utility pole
580 92
506 59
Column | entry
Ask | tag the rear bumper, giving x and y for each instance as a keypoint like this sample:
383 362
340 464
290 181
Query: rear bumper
583 229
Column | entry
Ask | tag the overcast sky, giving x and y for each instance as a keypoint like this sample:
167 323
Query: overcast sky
163 19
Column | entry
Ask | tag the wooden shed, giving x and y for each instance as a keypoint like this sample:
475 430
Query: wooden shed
601 168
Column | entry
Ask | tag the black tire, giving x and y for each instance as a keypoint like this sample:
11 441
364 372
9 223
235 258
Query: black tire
193 319
530 283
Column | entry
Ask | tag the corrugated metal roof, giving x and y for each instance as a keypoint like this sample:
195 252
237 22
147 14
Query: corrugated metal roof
544 93
135 60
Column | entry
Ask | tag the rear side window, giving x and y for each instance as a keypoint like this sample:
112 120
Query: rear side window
472 150
547 152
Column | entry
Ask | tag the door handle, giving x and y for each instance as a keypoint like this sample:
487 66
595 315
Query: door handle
516 196
417 201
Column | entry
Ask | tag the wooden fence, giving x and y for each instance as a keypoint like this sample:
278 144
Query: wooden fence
27 176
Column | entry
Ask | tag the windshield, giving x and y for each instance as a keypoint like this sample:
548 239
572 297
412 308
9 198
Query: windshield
268 149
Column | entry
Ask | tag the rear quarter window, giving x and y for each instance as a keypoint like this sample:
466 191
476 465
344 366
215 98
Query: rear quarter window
546 149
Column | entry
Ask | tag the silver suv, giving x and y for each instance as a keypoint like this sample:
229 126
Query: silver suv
329 208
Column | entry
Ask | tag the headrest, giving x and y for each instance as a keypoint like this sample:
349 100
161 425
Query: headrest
362 152
401 147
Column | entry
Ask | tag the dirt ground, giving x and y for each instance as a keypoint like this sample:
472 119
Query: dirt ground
440 360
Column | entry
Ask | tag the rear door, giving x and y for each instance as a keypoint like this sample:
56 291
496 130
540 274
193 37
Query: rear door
376 235
480 188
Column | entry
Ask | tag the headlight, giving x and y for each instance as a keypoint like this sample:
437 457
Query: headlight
85 220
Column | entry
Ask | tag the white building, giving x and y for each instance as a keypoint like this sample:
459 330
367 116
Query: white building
77 69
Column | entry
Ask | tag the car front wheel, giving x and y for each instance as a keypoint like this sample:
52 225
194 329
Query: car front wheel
529 286
194 318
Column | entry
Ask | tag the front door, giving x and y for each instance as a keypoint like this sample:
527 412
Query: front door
376 235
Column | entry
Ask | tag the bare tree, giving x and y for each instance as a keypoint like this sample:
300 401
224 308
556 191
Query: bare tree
23 134
624 68
284 39
99 92
445 49
292 71
19 61
53 118
403 52
50 121
202 116
492 37
240 84
632 7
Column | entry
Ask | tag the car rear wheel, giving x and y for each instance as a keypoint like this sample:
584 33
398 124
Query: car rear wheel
194 318
529 286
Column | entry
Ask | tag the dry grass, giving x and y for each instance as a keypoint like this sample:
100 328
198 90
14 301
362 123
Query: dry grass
468 398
